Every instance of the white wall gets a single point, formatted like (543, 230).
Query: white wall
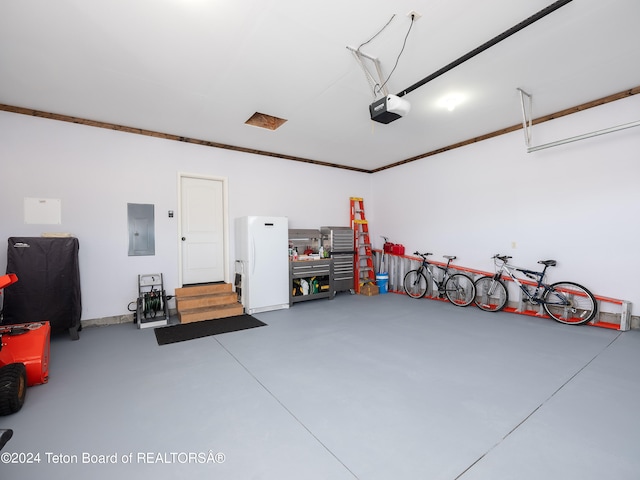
(577, 203)
(96, 172)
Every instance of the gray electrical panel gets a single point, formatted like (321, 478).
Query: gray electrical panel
(142, 240)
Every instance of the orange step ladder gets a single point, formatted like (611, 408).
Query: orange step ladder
(364, 271)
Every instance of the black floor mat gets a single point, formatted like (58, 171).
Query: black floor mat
(205, 328)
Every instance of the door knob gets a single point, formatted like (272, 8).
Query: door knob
(184, 238)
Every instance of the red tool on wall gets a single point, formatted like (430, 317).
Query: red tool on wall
(24, 357)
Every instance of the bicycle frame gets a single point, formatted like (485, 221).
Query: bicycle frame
(538, 297)
(427, 267)
(538, 276)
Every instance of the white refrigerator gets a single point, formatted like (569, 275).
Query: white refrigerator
(262, 262)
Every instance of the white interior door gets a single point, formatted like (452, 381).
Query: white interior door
(202, 230)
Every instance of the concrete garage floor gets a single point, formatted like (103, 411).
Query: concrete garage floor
(373, 388)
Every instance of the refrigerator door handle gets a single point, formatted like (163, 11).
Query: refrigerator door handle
(240, 266)
(252, 258)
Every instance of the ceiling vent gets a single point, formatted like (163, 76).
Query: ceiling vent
(263, 120)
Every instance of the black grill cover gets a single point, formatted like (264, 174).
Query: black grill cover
(48, 286)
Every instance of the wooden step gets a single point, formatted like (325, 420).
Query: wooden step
(210, 313)
(203, 289)
(205, 300)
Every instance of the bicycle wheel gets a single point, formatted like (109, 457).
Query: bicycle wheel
(416, 284)
(491, 294)
(459, 289)
(570, 303)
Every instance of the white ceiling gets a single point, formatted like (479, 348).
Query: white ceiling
(201, 68)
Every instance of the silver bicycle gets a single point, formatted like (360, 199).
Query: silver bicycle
(565, 302)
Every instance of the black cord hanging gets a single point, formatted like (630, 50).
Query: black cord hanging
(404, 44)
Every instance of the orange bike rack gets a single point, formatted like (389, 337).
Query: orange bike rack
(625, 314)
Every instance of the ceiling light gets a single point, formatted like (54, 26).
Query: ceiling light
(451, 101)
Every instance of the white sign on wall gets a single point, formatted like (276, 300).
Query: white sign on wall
(42, 211)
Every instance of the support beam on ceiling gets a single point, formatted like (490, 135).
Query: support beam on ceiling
(527, 122)
(584, 136)
(372, 81)
(527, 115)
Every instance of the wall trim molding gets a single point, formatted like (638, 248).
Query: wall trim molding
(206, 143)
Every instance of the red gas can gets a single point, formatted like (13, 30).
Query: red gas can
(397, 249)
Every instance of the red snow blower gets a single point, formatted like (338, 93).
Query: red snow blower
(24, 357)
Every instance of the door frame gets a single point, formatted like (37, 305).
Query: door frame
(225, 219)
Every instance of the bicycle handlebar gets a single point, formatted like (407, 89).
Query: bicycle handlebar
(504, 258)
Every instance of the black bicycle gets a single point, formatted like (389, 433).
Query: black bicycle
(565, 302)
(457, 287)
